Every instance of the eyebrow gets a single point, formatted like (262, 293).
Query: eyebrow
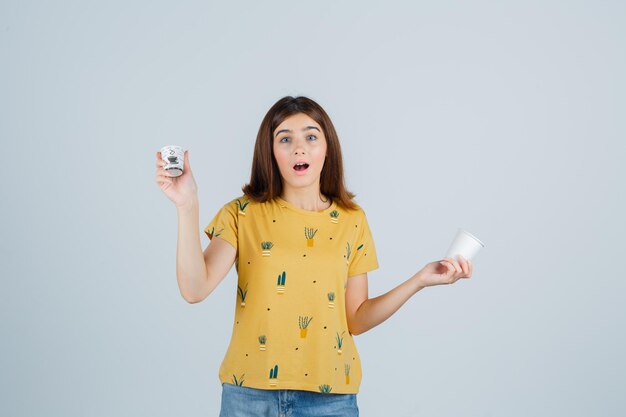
(305, 129)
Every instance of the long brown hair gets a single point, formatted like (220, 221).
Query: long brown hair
(265, 179)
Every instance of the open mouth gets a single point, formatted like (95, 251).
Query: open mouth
(301, 167)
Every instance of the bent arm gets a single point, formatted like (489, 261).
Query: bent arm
(374, 311)
(199, 274)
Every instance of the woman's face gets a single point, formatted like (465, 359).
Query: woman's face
(299, 139)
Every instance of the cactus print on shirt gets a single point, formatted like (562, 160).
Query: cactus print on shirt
(290, 329)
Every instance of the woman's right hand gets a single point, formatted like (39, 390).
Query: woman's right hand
(180, 190)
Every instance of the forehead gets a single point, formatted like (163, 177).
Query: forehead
(297, 122)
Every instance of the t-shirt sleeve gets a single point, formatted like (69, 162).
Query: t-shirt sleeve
(224, 224)
(363, 256)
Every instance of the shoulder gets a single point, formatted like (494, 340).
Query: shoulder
(238, 200)
(239, 204)
(357, 213)
(359, 217)
(353, 216)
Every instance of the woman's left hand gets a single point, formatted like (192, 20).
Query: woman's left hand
(446, 271)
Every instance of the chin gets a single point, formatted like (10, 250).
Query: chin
(302, 182)
(298, 184)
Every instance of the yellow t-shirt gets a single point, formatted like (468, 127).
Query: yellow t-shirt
(290, 329)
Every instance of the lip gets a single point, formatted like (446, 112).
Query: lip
(301, 172)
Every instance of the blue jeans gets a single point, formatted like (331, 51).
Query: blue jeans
(241, 401)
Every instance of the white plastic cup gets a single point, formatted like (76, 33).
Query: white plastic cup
(464, 244)
(174, 158)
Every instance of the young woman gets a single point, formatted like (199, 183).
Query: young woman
(302, 249)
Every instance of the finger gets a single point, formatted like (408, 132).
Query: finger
(467, 269)
(164, 179)
(456, 265)
(160, 161)
(162, 171)
(449, 267)
(464, 265)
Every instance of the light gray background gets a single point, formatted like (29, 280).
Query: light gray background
(504, 119)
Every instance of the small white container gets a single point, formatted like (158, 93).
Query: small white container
(464, 244)
(174, 158)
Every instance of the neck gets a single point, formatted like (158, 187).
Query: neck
(311, 200)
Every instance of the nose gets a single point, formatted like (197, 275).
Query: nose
(299, 149)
